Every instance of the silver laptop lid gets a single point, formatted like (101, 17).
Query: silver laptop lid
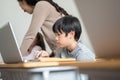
(9, 48)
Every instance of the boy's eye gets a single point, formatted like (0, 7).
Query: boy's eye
(58, 34)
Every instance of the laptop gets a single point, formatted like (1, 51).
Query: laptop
(9, 48)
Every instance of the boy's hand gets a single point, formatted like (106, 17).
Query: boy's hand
(41, 53)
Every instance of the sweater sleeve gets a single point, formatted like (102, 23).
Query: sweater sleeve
(32, 55)
(40, 13)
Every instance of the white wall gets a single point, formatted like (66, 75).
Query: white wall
(10, 11)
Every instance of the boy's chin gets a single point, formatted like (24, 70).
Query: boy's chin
(61, 46)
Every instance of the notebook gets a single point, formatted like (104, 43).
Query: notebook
(10, 50)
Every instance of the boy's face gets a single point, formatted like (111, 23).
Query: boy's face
(63, 40)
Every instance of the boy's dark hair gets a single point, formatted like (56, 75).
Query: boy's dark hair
(67, 24)
(57, 7)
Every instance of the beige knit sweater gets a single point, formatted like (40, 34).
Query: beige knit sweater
(44, 16)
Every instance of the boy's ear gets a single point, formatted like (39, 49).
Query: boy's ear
(72, 33)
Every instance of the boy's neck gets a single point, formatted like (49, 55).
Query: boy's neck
(72, 46)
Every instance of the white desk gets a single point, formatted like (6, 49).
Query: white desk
(38, 71)
(98, 70)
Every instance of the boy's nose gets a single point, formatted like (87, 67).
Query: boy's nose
(56, 38)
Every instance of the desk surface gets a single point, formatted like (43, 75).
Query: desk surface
(105, 64)
(99, 64)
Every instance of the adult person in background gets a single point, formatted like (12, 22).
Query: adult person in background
(45, 13)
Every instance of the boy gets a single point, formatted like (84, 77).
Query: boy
(67, 31)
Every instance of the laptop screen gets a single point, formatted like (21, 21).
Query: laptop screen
(9, 48)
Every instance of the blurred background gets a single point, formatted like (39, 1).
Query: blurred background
(100, 22)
